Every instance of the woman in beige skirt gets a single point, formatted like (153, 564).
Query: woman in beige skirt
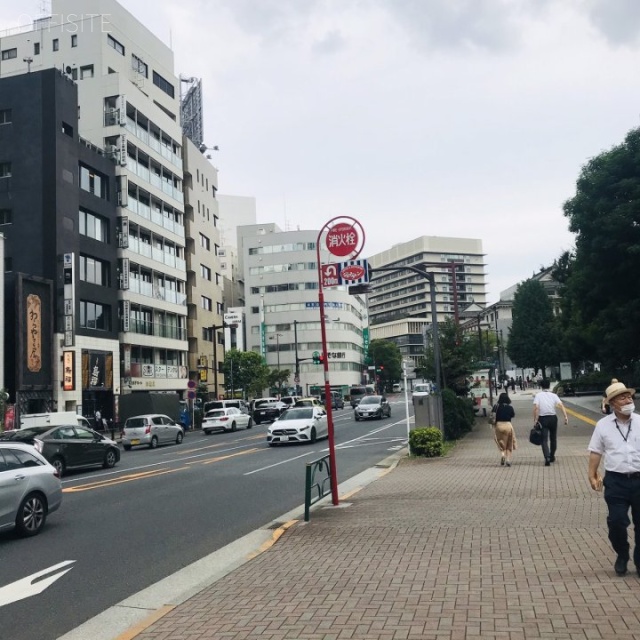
(504, 434)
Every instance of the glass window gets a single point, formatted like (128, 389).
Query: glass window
(93, 226)
(74, 40)
(112, 42)
(95, 316)
(27, 459)
(93, 182)
(5, 116)
(84, 434)
(6, 216)
(5, 169)
(163, 84)
(86, 72)
(36, 48)
(11, 460)
(139, 65)
(9, 54)
(56, 44)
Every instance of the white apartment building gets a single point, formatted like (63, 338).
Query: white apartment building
(283, 312)
(129, 102)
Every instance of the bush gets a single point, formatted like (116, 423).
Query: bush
(426, 442)
(458, 415)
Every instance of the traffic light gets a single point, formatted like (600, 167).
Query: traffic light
(318, 358)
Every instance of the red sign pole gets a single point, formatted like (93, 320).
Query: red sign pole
(343, 239)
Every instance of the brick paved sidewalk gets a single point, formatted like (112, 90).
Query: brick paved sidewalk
(451, 548)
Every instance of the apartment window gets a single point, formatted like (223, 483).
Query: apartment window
(204, 241)
(9, 54)
(93, 226)
(8, 264)
(94, 271)
(205, 272)
(56, 44)
(67, 129)
(74, 40)
(93, 182)
(86, 72)
(112, 42)
(36, 48)
(6, 216)
(5, 116)
(95, 316)
(206, 303)
(5, 169)
(163, 84)
(139, 65)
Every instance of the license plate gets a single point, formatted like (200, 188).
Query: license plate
(135, 442)
(263, 413)
(284, 438)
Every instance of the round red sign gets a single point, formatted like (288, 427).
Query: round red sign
(342, 239)
(353, 272)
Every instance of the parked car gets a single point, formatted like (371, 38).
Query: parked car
(228, 419)
(337, 401)
(30, 488)
(372, 407)
(267, 409)
(224, 404)
(70, 446)
(311, 401)
(151, 430)
(298, 424)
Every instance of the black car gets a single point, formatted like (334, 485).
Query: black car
(69, 446)
(267, 409)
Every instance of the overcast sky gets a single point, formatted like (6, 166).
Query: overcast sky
(468, 118)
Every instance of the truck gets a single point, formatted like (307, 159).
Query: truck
(54, 419)
(143, 403)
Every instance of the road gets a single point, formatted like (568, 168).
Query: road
(157, 511)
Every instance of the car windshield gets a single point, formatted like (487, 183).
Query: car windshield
(215, 413)
(370, 400)
(302, 413)
(134, 423)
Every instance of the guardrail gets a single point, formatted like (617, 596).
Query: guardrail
(322, 486)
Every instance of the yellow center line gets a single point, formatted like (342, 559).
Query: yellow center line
(220, 444)
(584, 418)
(122, 479)
(219, 458)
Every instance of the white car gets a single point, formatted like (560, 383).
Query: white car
(421, 390)
(228, 419)
(298, 424)
(150, 430)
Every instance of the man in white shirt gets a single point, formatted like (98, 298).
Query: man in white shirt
(545, 404)
(617, 437)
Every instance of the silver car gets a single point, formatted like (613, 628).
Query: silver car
(30, 488)
(372, 407)
(228, 419)
(151, 430)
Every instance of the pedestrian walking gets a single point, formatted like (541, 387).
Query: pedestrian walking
(545, 404)
(604, 405)
(617, 437)
(503, 432)
(512, 384)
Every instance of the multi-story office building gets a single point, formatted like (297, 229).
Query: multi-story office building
(204, 279)
(58, 214)
(283, 311)
(400, 302)
(129, 106)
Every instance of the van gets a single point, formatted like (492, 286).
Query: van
(421, 389)
(225, 404)
(337, 401)
(397, 388)
(53, 419)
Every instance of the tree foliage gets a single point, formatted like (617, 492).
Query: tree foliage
(388, 360)
(245, 370)
(532, 336)
(601, 296)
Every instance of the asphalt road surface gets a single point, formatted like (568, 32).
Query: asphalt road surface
(120, 530)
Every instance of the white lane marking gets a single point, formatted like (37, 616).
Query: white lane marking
(31, 586)
(277, 464)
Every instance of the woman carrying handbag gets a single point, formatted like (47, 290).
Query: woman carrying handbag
(503, 432)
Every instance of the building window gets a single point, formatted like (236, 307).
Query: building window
(139, 65)
(5, 169)
(205, 243)
(206, 303)
(112, 42)
(95, 316)
(56, 44)
(5, 116)
(9, 54)
(67, 129)
(93, 182)
(205, 272)
(94, 271)
(93, 226)
(8, 264)
(163, 84)
(6, 216)
(86, 72)
(36, 48)
(74, 40)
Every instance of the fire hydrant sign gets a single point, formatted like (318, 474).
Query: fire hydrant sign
(342, 239)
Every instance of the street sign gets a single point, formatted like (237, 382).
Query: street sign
(191, 395)
(342, 239)
(351, 272)
(232, 318)
(191, 384)
(330, 275)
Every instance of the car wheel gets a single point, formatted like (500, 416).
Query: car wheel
(313, 435)
(234, 427)
(110, 459)
(127, 447)
(59, 466)
(356, 417)
(179, 437)
(207, 432)
(250, 423)
(32, 515)
(154, 443)
(257, 421)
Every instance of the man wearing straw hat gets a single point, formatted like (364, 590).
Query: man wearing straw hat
(617, 437)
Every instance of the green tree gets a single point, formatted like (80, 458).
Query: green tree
(601, 290)
(532, 336)
(278, 379)
(388, 361)
(250, 373)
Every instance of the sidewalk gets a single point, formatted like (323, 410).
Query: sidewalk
(450, 548)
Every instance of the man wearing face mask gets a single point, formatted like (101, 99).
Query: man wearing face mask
(617, 437)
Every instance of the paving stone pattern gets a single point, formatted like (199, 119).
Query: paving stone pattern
(446, 549)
